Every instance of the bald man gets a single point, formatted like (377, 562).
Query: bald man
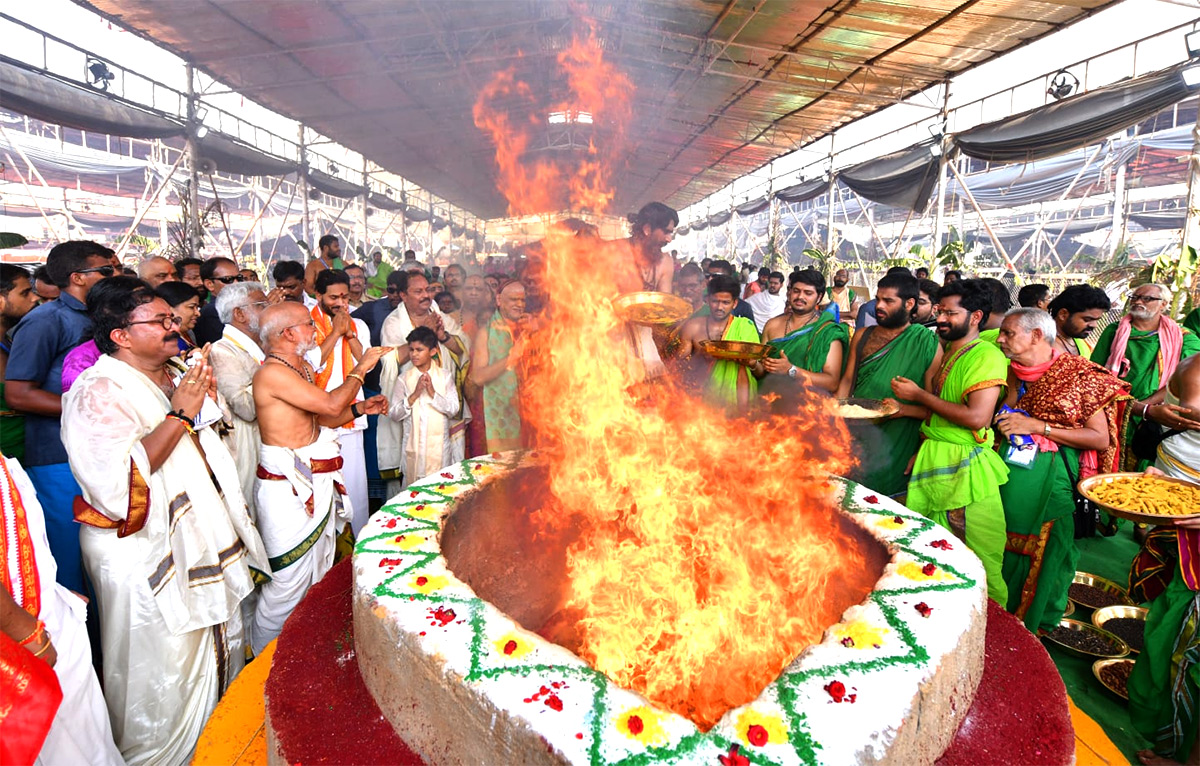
(155, 270)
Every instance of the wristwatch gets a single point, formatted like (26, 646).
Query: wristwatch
(792, 372)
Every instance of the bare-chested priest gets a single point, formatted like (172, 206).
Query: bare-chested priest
(299, 492)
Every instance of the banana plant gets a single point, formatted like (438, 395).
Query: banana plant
(1176, 273)
(825, 262)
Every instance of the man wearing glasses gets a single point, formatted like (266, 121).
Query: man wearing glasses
(217, 273)
(1144, 349)
(33, 386)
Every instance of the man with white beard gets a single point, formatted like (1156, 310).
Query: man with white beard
(300, 494)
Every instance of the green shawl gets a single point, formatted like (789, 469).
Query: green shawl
(501, 417)
(1142, 353)
(957, 466)
(807, 347)
(885, 449)
(721, 388)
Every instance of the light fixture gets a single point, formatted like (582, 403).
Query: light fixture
(936, 149)
(1062, 84)
(333, 168)
(1191, 75)
(1193, 43)
(937, 131)
(98, 74)
(200, 130)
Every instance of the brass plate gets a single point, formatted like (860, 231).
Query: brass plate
(1083, 627)
(1099, 665)
(652, 308)
(1101, 616)
(735, 350)
(1086, 578)
(882, 411)
(1087, 489)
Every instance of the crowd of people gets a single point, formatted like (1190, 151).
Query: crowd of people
(188, 448)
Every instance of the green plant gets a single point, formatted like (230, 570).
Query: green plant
(822, 261)
(11, 239)
(1176, 273)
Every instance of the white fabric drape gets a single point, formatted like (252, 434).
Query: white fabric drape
(169, 591)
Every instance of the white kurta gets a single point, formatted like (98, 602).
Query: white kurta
(766, 306)
(80, 732)
(234, 359)
(350, 437)
(426, 443)
(395, 331)
(169, 591)
(299, 538)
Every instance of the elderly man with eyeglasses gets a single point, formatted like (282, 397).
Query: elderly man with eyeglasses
(1144, 349)
(166, 538)
(33, 387)
(234, 359)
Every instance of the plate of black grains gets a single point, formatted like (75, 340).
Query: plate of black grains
(1086, 640)
(1093, 592)
(1127, 623)
(1114, 675)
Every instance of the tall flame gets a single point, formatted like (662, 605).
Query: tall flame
(708, 556)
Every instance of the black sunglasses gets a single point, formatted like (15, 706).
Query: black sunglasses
(104, 271)
(229, 280)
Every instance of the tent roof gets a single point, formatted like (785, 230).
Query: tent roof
(722, 88)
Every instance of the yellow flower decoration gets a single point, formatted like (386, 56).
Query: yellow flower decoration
(513, 646)
(422, 511)
(860, 634)
(922, 572)
(890, 522)
(427, 583)
(643, 724)
(758, 729)
(409, 541)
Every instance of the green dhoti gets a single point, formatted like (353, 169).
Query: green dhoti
(1040, 556)
(884, 449)
(721, 387)
(1164, 688)
(957, 476)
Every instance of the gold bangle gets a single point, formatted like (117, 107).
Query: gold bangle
(45, 648)
(39, 630)
(357, 377)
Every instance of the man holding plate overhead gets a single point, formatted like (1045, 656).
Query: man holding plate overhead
(646, 269)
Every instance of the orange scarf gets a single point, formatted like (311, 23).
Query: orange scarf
(26, 589)
(324, 326)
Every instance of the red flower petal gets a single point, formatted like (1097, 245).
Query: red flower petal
(872, 499)
(757, 735)
(510, 647)
(943, 544)
(635, 725)
(924, 609)
(928, 570)
(898, 519)
(447, 475)
(422, 580)
(553, 702)
(836, 689)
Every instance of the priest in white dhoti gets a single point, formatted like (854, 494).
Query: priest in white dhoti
(423, 401)
(417, 309)
(234, 359)
(341, 340)
(166, 538)
(300, 491)
(51, 619)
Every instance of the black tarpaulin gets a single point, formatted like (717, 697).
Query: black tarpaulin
(753, 206)
(416, 214)
(805, 190)
(901, 179)
(333, 186)
(720, 219)
(439, 223)
(1074, 122)
(384, 202)
(234, 156)
(45, 97)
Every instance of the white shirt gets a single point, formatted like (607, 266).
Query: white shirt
(766, 306)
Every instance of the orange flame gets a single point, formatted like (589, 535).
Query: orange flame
(710, 553)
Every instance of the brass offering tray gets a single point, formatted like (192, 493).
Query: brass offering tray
(735, 350)
(1104, 584)
(1122, 648)
(652, 308)
(1099, 665)
(1102, 616)
(1176, 508)
(878, 411)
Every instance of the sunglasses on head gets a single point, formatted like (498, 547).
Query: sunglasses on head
(229, 280)
(104, 271)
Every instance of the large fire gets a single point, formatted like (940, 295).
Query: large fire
(707, 557)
